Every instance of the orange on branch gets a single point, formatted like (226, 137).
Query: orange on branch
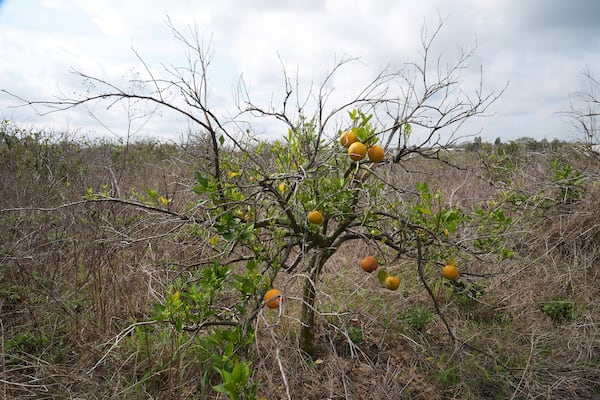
(347, 138)
(315, 217)
(450, 272)
(272, 298)
(376, 153)
(392, 282)
(357, 151)
(369, 264)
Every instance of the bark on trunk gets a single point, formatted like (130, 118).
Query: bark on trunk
(307, 314)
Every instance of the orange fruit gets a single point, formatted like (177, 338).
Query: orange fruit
(376, 153)
(369, 264)
(357, 151)
(315, 217)
(347, 138)
(450, 272)
(392, 282)
(272, 298)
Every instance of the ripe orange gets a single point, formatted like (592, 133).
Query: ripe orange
(376, 153)
(357, 151)
(369, 264)
(392, 282)
(450, 272)
(272, 298)
(315, 217)
(347, 138)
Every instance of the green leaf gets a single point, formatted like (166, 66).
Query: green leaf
(179, 325)
(221, 139)
(381, 275)
(159, 308)
(153, 194)
(228, 350)
(237, 374)
(423, 210)
(221, 389)
(203, 183)
(507, 253)
(422, 187)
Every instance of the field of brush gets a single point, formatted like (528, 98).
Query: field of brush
(79, 277)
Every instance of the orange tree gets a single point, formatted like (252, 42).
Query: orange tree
(253, 197)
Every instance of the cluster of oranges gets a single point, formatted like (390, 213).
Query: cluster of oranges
(358, 150)
(370, 264)
(272, 298)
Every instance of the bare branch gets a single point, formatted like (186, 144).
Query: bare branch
(585, 109)
(130, 203)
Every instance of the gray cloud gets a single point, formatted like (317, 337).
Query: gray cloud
(579, 17)
(540, 46)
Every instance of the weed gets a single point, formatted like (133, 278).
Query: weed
(24, 343)
(570, 181)
(558, 310)
(417, 318)
(469, 292)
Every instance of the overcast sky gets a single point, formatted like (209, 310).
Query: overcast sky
(538, 47)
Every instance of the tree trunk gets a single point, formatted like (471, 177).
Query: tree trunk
(307, 314)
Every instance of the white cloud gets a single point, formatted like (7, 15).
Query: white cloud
(121, 19)
(55, 4)
(526, 43)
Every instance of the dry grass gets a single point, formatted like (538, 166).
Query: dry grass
(75, 281)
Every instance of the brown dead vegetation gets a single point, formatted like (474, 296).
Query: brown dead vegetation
(78, 277)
